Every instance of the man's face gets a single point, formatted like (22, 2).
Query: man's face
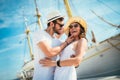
(58, 28)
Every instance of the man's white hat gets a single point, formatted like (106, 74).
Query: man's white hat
(53, 16)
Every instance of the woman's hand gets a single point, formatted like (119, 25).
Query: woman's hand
(47, 62)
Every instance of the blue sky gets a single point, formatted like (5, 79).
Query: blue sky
(13, 45)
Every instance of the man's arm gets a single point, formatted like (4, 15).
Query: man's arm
(74, 61)
(50, 52)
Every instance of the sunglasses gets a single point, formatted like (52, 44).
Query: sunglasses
(61, 25)
(75, 26)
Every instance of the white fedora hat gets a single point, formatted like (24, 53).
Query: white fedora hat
(53, 16)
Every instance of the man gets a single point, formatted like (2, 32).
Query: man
(42, 43)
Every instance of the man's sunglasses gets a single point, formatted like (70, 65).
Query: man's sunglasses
(60, 19)
(61, 25)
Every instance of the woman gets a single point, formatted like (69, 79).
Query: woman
(65, 69)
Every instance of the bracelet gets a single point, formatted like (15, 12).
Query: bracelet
(58, 63)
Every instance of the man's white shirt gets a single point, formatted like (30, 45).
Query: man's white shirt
(40, 72)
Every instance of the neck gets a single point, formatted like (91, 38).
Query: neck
(58, 36)
(76, 38)
(50, 31)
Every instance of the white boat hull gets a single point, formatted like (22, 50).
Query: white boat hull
(101, 60)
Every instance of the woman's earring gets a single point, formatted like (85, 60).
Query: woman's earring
(82, 35)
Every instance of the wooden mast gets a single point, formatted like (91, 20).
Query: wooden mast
(28, 30)
(38, 15)
(28, 38)
(68, 9)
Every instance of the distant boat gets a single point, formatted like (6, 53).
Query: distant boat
(101, 59)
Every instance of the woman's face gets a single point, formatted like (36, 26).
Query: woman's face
(74, 29)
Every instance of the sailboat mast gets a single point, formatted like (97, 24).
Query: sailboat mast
(68, 9)
(28, 38)
(38, 15)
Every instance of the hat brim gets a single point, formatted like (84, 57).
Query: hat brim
(55, 18)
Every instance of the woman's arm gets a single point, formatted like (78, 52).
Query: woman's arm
(74, 61)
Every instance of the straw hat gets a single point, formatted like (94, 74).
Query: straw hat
(75, 19)
(53, 16)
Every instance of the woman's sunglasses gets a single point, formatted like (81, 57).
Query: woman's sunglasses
(75, 26)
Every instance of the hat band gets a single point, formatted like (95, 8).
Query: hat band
(53, 18)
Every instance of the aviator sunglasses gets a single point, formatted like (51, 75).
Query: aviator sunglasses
(60, 19)
(61, 25)
(74, 25)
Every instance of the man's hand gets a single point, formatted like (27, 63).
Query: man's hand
(72, 56)
(70, 39)
(47, 62)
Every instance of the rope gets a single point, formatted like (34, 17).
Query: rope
(104, 19)
(109, 7)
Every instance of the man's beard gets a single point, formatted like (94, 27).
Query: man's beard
(57, 32)
(54, 29)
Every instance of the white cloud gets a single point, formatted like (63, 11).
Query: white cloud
(15, 17)
(19, 37)
(11, 42)
(9, 48)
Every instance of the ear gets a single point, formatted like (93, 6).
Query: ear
(52, 24)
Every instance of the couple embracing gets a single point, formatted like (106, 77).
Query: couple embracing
(56, 60)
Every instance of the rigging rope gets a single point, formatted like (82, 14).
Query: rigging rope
(109, 7)
(104, 19)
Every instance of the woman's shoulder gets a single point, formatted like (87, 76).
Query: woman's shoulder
(82, 40)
